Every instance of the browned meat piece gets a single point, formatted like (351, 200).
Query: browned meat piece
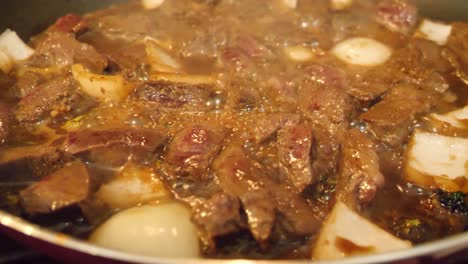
(91, 139)
(261, 197)
(458, 42)
(266, 126)
(217, 216)
(324, 104)
(27, 83)
(397, 15)
(39, 152)
(67, 186)
(294, 150)
(192, 149)
(458, 45)
(174, 95)
(391, 119)
(207, 42)
(359, 175)
(56, 98)
(253, 48)
(70, 23)
(326, 75)
(419, 63)
(58, 49)
(236, 176)
(5, 123)
(235, 59)
(330, 109)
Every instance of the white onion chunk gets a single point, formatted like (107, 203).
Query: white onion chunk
(346, 233)
(362, 51)
(434, 31)
(163, 230)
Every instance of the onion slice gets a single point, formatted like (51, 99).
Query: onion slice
(151, 4)
(290, 3)
(299, 54)
(362, 51)
(6, 62)
(435, 31)
(457, 118)
(340, 4)
(436, 161)
(101, 87)
(346, 233)
(12, 50)
(159, 59)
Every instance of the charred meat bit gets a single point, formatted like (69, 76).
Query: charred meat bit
(67, 186)
(91, 139)
(294, 150)
(359, 175)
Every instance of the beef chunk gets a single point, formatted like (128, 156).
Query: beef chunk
(359, 175)
(27, 83)
(268, 125)
(38, 158)
(397, 15)
(326, 75)
(173, 95)
(458, 45)
(330, 109)
(253, 48)
(56, 98)
(233, 58)
(193, 148)
(324, 104)
(70, 23)
(59, 49)
(206, 43)
(234, 172)
(294, 150)
(391, 119)
(261, 197)
(67, 186)
(217, 216)
(420, 63)
(91, 139)
(5, 123)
